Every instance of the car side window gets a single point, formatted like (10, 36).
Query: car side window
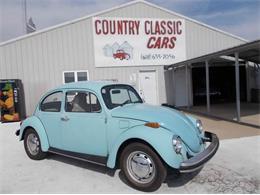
(52, 103)
(95, 105)
(81, 101)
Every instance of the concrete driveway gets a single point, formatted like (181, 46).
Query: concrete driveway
(234, 169)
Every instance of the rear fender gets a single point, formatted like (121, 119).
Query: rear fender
(160, 139)
(35, 123)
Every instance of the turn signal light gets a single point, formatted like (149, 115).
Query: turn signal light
(152, 124)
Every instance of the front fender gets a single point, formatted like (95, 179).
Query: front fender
(35, 123)
(160, 139)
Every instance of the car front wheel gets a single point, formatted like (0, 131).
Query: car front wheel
(32, 145)
(142, 167)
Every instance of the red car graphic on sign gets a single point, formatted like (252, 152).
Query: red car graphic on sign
(121, 54)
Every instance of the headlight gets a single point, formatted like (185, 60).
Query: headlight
(177, 144)
(199, 125)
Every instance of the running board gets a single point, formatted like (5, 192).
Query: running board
(100, 160)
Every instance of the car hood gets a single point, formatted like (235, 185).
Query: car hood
(169, 118)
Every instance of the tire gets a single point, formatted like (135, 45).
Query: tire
(32, 145)
(142, 167)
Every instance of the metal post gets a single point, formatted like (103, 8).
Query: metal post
(207, 86)
(174, 87)
(187, 85)
(237, 86)
(247, 82)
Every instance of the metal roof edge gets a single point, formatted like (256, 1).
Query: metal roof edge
(226, 51)
(112, 9)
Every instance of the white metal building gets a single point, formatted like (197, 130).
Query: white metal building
(130, 43)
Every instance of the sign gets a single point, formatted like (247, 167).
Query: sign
(138, 42)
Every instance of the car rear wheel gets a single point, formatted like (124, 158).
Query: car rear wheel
(142, 167)
(32, 145)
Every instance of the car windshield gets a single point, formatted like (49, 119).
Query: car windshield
(119, 95)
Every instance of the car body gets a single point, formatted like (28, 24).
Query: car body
(113, 122)
(121, 54)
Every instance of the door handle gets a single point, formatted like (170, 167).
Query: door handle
(65, 118)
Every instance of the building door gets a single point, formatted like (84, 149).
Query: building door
(148, 87)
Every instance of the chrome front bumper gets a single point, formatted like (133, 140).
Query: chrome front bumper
(199, 160)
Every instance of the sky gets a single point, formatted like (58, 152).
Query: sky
(238, 17)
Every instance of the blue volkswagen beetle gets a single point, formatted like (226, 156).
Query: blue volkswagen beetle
(109, 124)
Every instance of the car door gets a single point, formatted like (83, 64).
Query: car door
(50, 116)
(84, 124)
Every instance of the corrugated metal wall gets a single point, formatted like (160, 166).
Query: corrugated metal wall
(40, 59)
(201, 40)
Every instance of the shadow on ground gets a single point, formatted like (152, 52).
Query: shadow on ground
(177, 179)
(82, 164)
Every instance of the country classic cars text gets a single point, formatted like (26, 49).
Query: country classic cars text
(161, 34)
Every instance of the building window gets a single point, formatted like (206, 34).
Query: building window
(69, 77)
(75, 76)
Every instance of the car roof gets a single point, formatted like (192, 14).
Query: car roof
(92, 85)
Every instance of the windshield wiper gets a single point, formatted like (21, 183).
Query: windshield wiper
(126, 102)
(130, 102)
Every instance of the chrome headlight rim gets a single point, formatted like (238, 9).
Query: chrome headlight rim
(177, 144)
(199, 125)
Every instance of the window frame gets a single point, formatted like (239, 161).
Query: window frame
(40, 106)
(84, 91)
(75, 72)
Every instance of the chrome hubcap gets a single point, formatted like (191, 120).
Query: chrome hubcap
(33, 144)
(140, 167)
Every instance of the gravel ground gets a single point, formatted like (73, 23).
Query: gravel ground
(234, 169)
